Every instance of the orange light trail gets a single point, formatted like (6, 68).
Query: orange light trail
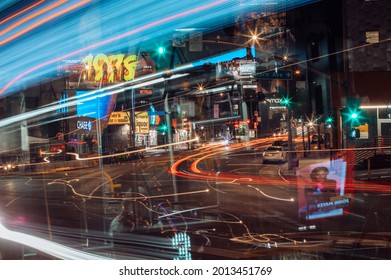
(40, 22)
(137, 30)
(32, 16)
(256, 179)
(21, 12)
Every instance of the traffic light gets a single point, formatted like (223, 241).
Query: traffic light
(160, 50)
(285, 101)
(163, 128)
(329, 121)
(354, 114)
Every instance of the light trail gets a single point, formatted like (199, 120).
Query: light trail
(89, 31)
(46, 246)
(21, 11)
(194, 172)
(141, 197)
(110, 40)
(271, 197)
(26, 19)
(77, 156)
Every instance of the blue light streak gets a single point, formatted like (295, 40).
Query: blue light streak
(108, 26)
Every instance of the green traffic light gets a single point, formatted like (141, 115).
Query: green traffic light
(161, 50)
(285, 101)
(329, 120)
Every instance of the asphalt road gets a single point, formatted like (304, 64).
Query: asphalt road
(229, 203)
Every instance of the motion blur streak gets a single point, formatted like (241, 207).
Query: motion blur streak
(77, 157)
(40, 22)
(85, 97)
(21, 12)
(27, 18)
(145, 27)
(97, 25)
(48, 247)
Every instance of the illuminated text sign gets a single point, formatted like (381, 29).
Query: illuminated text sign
(109, 68)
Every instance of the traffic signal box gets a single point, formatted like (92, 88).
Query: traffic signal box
(354, 133)
(354, 117)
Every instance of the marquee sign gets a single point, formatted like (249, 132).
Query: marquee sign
(108, 68)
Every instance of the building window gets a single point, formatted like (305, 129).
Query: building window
(372, 37)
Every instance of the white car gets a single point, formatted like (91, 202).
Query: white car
(275, 154)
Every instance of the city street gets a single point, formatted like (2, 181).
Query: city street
(231, 202)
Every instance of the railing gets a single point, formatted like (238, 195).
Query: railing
(377, 146)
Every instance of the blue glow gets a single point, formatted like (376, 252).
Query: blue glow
(76, 28)
(240, 53)
(96, 107)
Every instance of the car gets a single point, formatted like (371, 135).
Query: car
(275, 154)
(8, 167)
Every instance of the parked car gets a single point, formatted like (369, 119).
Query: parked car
(280, 154)
(275, 154)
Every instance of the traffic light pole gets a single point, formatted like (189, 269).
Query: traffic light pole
(290, 146)
(289, 126)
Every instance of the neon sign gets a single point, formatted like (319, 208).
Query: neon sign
(109, 69)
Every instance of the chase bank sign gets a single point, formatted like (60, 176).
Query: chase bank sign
(85, 125)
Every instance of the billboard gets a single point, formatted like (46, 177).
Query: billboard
(93, 105)
(321, 190)
(141, 122)
(119, 118)
(105, 68)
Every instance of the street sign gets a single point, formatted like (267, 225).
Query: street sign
(273, 75)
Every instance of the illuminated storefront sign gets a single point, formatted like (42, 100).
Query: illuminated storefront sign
(119, 118)
(85, 125)
(274, 100)
(141, 121)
